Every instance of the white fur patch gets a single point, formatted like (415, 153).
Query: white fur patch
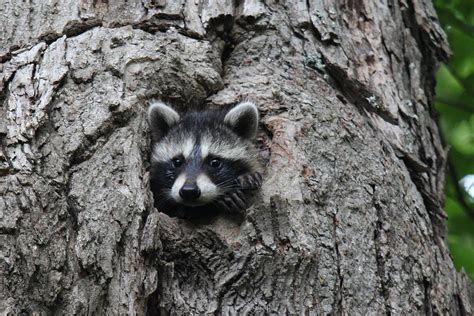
(221, 148)
(188, 148)
(209, 190)
(177, 185)
(236, 112)
(246, 111)
(235, 153)
(169, 115)
(165, 151)
(205, 144)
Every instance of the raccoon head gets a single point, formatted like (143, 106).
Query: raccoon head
(197, 157)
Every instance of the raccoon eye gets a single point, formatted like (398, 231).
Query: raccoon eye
(177, 162)
(215, 163)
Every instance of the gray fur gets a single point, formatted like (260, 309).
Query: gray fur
(161, 117)
(197, 137)
(244, 119)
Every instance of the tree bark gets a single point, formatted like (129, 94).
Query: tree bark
(351, 217)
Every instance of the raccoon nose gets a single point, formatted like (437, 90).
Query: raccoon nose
(189, 192)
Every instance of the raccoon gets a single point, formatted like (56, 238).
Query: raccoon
(204, 162)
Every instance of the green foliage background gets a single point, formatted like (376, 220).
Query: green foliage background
(455, 104)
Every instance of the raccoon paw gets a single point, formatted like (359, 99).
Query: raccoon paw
(250, 181)
(234, 202)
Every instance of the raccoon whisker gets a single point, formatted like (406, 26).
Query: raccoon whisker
(229, 187)
(165, 200)
(214, 203)
(164, 195)
(165, 191)
(226, 189)
(225, 182)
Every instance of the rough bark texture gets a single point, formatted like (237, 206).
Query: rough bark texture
(350, 220)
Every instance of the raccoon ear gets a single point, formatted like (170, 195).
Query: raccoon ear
(243, 119)
(161, 118)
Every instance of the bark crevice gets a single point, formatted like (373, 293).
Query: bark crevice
(379, 253)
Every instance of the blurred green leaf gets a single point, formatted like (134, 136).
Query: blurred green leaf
(448, 86)
(462, 10)
(461, 237)
(455, 103)
(462, 137)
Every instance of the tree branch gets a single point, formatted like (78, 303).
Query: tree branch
(448, 17)
(455, 104)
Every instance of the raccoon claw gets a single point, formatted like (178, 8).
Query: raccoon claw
(233, 202)
(250, 181)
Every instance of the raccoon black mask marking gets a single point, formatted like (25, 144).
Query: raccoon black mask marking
(203, 162)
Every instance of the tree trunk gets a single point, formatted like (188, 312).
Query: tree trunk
(351, 217)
